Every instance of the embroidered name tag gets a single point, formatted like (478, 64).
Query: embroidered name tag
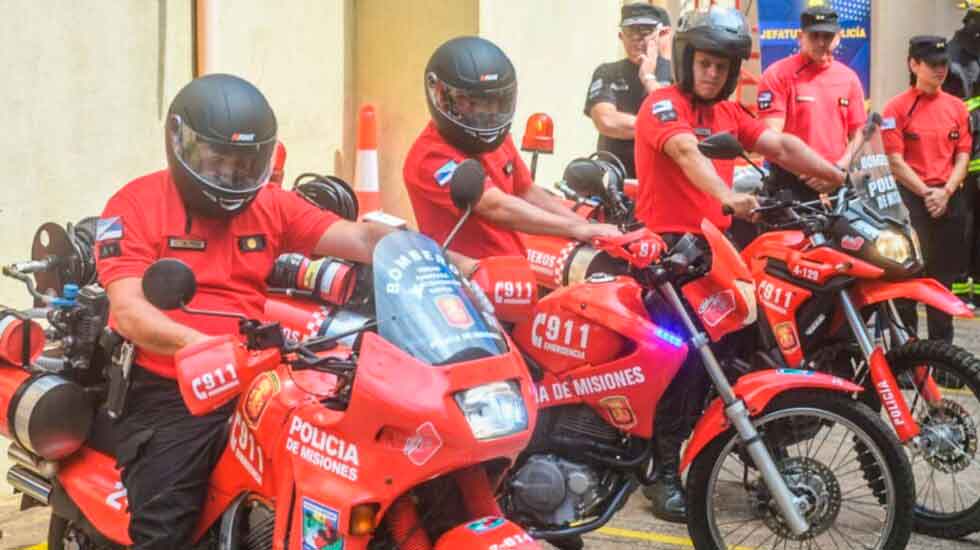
(805, 99)
(178, 243)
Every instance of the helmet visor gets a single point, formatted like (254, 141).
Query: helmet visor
(239, 166)
(479, 110)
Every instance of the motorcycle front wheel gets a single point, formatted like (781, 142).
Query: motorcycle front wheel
(825, 445)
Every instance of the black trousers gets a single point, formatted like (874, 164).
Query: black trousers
(166, 456)
(945, 257)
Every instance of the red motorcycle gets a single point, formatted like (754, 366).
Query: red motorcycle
(396, 442)
(827, 276)
(603, 352)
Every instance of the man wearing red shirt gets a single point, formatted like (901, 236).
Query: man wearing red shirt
(815, 98)
(471, 91)
(927, 138)
(679, 187)
(213, 210)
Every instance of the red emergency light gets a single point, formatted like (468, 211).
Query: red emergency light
(539, 134)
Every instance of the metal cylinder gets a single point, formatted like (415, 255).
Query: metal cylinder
(45, 468)
(30, 484)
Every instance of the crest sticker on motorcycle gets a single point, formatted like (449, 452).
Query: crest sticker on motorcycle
(851, 242)
(620, 411)
(421, 447)
(264, 387)
(484, 525)
(321, 527)
(716, 307)
(786, 336)
(453, 310)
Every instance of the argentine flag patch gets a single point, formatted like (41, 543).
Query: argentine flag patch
(109, 229)
(445, 173)
(888, 123)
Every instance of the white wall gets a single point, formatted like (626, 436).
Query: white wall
(554, 45)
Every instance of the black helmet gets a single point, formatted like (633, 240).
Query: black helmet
(471, 90)
(721, 31)
(221, 134)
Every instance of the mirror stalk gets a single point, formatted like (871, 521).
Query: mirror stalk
(459, 224)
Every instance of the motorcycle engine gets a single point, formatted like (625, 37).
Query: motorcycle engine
(553, 490)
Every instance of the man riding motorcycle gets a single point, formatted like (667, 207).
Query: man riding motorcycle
(678, 187)
(212, 209)
(471, 92)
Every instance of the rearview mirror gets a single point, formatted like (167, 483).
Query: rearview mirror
(466, 184)
(721, 146)
(585, 177)
(169, 284)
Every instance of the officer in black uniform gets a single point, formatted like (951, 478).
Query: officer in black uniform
(617, 89)
(964, 82)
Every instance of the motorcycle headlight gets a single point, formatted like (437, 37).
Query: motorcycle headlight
(747, 290)
(893, 246)
(493, 410)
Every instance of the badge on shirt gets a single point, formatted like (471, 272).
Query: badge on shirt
(702, 132)
(805, 99)
(595, 88)
(843, 102)
(445, 173)
(888, 123)
(110, 250)
(109, 229)
(664, 111)
(911, 136)
(764, 100)
(509, 168)
(181, 243)
(954, 135)
(619, 86)
(251, 243)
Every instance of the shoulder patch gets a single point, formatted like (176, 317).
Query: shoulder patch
(109, 250)
(664, 110)
(595, 87)
(764, 100)
(445, 173)
(888, 123)
(251, 243)
(109, 229)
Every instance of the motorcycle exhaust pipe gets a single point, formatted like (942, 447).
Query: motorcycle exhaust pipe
(45, 468)
(30, 484)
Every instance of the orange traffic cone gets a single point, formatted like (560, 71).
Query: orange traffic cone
(366, 170)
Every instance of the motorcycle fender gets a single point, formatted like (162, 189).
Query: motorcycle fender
(927, 291)
(91, 480)
(757, 390)
(489, 533)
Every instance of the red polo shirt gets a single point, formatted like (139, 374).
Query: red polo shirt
(146, 221)
(667, 201)
(821, 105)
(428, 168)
(928, 131)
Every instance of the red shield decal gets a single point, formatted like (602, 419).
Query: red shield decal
(716, 307)
(263, 389)
(421, 447)
(786, 336)
(619, 411)
(852, 242)
(453, 310)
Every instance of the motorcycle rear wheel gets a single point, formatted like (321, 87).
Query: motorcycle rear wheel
(827, 471)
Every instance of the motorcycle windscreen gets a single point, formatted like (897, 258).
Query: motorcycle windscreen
(872, 179)
(424, 309)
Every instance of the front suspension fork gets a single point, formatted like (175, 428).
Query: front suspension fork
(789, 505)
(881, 374)
(924, 381)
